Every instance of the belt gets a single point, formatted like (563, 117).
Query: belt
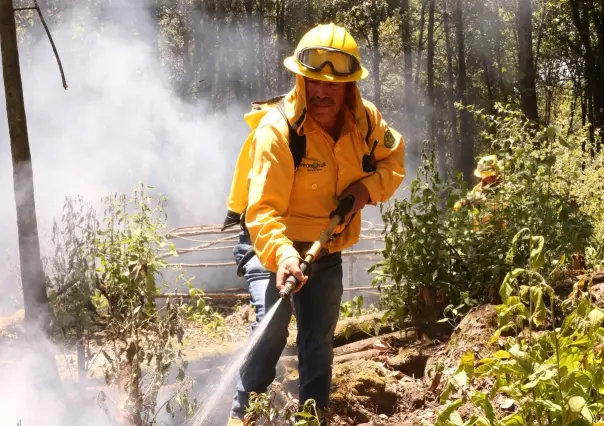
(303, 246)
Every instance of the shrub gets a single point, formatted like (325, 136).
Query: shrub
(552, 377)
(439, 258)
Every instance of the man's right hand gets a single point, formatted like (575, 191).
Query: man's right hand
(290, 266)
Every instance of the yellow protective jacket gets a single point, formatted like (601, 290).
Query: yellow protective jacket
(286, 205)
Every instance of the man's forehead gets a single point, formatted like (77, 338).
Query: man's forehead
(315, 80)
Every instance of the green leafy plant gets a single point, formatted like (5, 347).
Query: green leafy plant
(552, 371)
(129, 264)
(262, 410)
(199, 310)
(70, 275)
(440, 258)
(352, 308)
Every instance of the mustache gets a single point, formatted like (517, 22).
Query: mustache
(322, 101)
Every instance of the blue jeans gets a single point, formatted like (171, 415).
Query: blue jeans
(317, 307)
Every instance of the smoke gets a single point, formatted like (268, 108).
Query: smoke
(32, 395)
(119, 122)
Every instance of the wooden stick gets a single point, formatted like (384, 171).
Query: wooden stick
(594, 279)
(371, 353)
(365, 344)
(240, 292)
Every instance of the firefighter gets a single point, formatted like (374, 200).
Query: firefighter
(287, 205)
(489, 170)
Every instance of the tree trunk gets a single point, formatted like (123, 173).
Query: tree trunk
(528, 95)
(573, 105)
(220, 61)
(594, 66)
(450, 81)
(204, 56)
(188, 71)
(486, 61)
(251, 58)
(262, 83)
(375, 38)
(544, 13)
(441, 139)
(430, 74)
(501, 80)
(466, 156)
(420, 44)
(408, 57)
(35, 298)
(282, 77)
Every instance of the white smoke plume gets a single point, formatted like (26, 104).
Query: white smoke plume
(119, 122)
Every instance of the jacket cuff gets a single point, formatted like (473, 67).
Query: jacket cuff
(374, 187)
(284, 252)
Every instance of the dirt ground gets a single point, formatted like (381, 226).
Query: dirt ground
(393, 385)
(394, 380)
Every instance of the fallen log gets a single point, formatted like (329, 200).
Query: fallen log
(365, 344)
(593, 279)
(368, 354)
(355, 329)
(210, 295)
(236, 293)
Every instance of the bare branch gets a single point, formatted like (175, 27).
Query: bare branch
(52, 43)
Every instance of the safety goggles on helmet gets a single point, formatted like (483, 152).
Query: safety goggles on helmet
(316, 58)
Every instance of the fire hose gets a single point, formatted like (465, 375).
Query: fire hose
(337, 217)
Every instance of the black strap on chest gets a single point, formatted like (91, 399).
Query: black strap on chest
(297, 143)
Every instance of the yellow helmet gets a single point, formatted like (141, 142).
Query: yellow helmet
(488, 166)
(328, 53)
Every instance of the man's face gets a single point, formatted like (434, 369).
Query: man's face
(325, 100)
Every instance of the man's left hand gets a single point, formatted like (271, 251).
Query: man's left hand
(360, 194)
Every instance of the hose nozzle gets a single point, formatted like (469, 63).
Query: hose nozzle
(290, 285)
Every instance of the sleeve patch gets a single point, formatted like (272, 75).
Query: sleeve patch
(389, 140)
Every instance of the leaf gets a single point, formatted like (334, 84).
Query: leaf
(539, 311)
(447, 391)
(465, 371)
(512, 420)
(347, 331)
(482, 401)
(486, 365)
(512, 252)
(507, 403)
(501, 355)
(543, 374)
(537, 255)
(510, 367)
(595, 318)
(497, 334)
(455, 419)
(507, 289)
(445, 415)
(576, 404)
(549, 406)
